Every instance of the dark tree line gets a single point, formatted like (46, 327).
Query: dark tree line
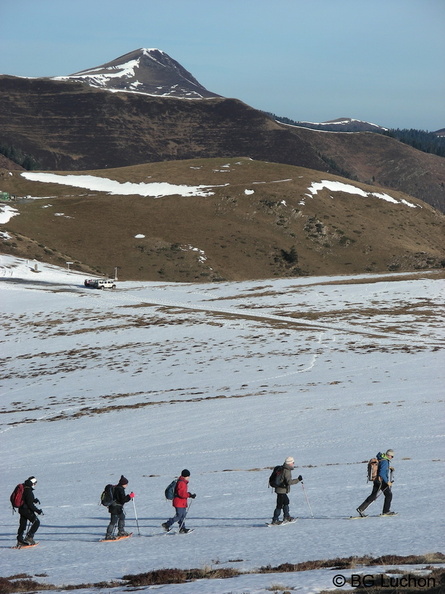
(428, 142)
(14, 154)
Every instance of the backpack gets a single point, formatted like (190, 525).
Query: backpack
(276, 479)
(170, 490)
(107, 497)
(16, 497)
(373, 467)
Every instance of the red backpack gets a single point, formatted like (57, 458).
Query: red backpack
(16, 498)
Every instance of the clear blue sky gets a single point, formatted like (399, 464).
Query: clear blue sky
(375, 60)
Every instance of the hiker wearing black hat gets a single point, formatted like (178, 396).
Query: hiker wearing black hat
(28, 511)
(116, 510)
(180, 503)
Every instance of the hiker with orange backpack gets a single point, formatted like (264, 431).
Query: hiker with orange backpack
(382, 482)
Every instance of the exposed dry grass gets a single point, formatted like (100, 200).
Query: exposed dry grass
(242, 236)
(24, 583)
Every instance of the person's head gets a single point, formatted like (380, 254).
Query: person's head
(32, 481)
(289, 461)
(123, 482)
(390, 454)
(186, 474)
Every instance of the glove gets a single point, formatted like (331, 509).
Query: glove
(300, 478)
(39, 511)
(192, 495)
(36, 501)
(131, 495)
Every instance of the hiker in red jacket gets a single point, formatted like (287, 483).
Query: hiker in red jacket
(180, 503)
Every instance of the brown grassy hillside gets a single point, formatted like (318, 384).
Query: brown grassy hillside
(67, 125)
(259, 223)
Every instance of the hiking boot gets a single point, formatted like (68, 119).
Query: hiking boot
(29, 540)
(21, 542)
(184, 530)
(360, 513)
(166, 526)
(288, 519)
(390, 513)
(123, 533)
(276, 522)
(109, 537)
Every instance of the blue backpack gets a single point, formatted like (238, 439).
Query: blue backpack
(170, 490)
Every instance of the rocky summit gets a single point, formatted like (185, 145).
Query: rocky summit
(149, 71)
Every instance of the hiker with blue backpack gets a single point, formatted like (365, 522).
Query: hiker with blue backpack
(281, 480)
(382, 482)
(180, 499)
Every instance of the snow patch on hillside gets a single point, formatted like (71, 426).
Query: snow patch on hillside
(103, 184)
(6, 213)
(335, 186)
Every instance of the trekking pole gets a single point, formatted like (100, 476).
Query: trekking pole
(307, 500)
(136, 516)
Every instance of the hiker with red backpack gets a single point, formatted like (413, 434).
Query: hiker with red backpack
(381, 482)
(28, 510)
(282, 484)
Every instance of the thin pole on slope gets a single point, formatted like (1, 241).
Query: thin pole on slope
(136, 516)
(307, 500)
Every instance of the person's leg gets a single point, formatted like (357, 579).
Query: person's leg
(175, 518)
(114, 518)
(375, 489)
(286, 503)
(22, 527)
(33, 529)
(121, 524)
(278, 508)
(386, 489)
(182, 512)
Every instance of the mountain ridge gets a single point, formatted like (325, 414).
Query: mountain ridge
(82, 127)
(148, 71)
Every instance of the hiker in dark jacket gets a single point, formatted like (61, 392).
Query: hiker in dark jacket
(180, 503)
(282, 492)
(28, 511)
(116, 510)
(381, 483)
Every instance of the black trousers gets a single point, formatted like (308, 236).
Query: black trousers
(387, 493)
(117, 516)
(282, 504)
(24, 519)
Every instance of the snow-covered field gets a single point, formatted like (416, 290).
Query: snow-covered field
(225, 380)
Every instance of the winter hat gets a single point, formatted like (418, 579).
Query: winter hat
(185, 472)
(32, 480)
(289, 460)
(390, 453)
(123, 481)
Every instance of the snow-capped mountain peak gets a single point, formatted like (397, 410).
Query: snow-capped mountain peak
(148, 71)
